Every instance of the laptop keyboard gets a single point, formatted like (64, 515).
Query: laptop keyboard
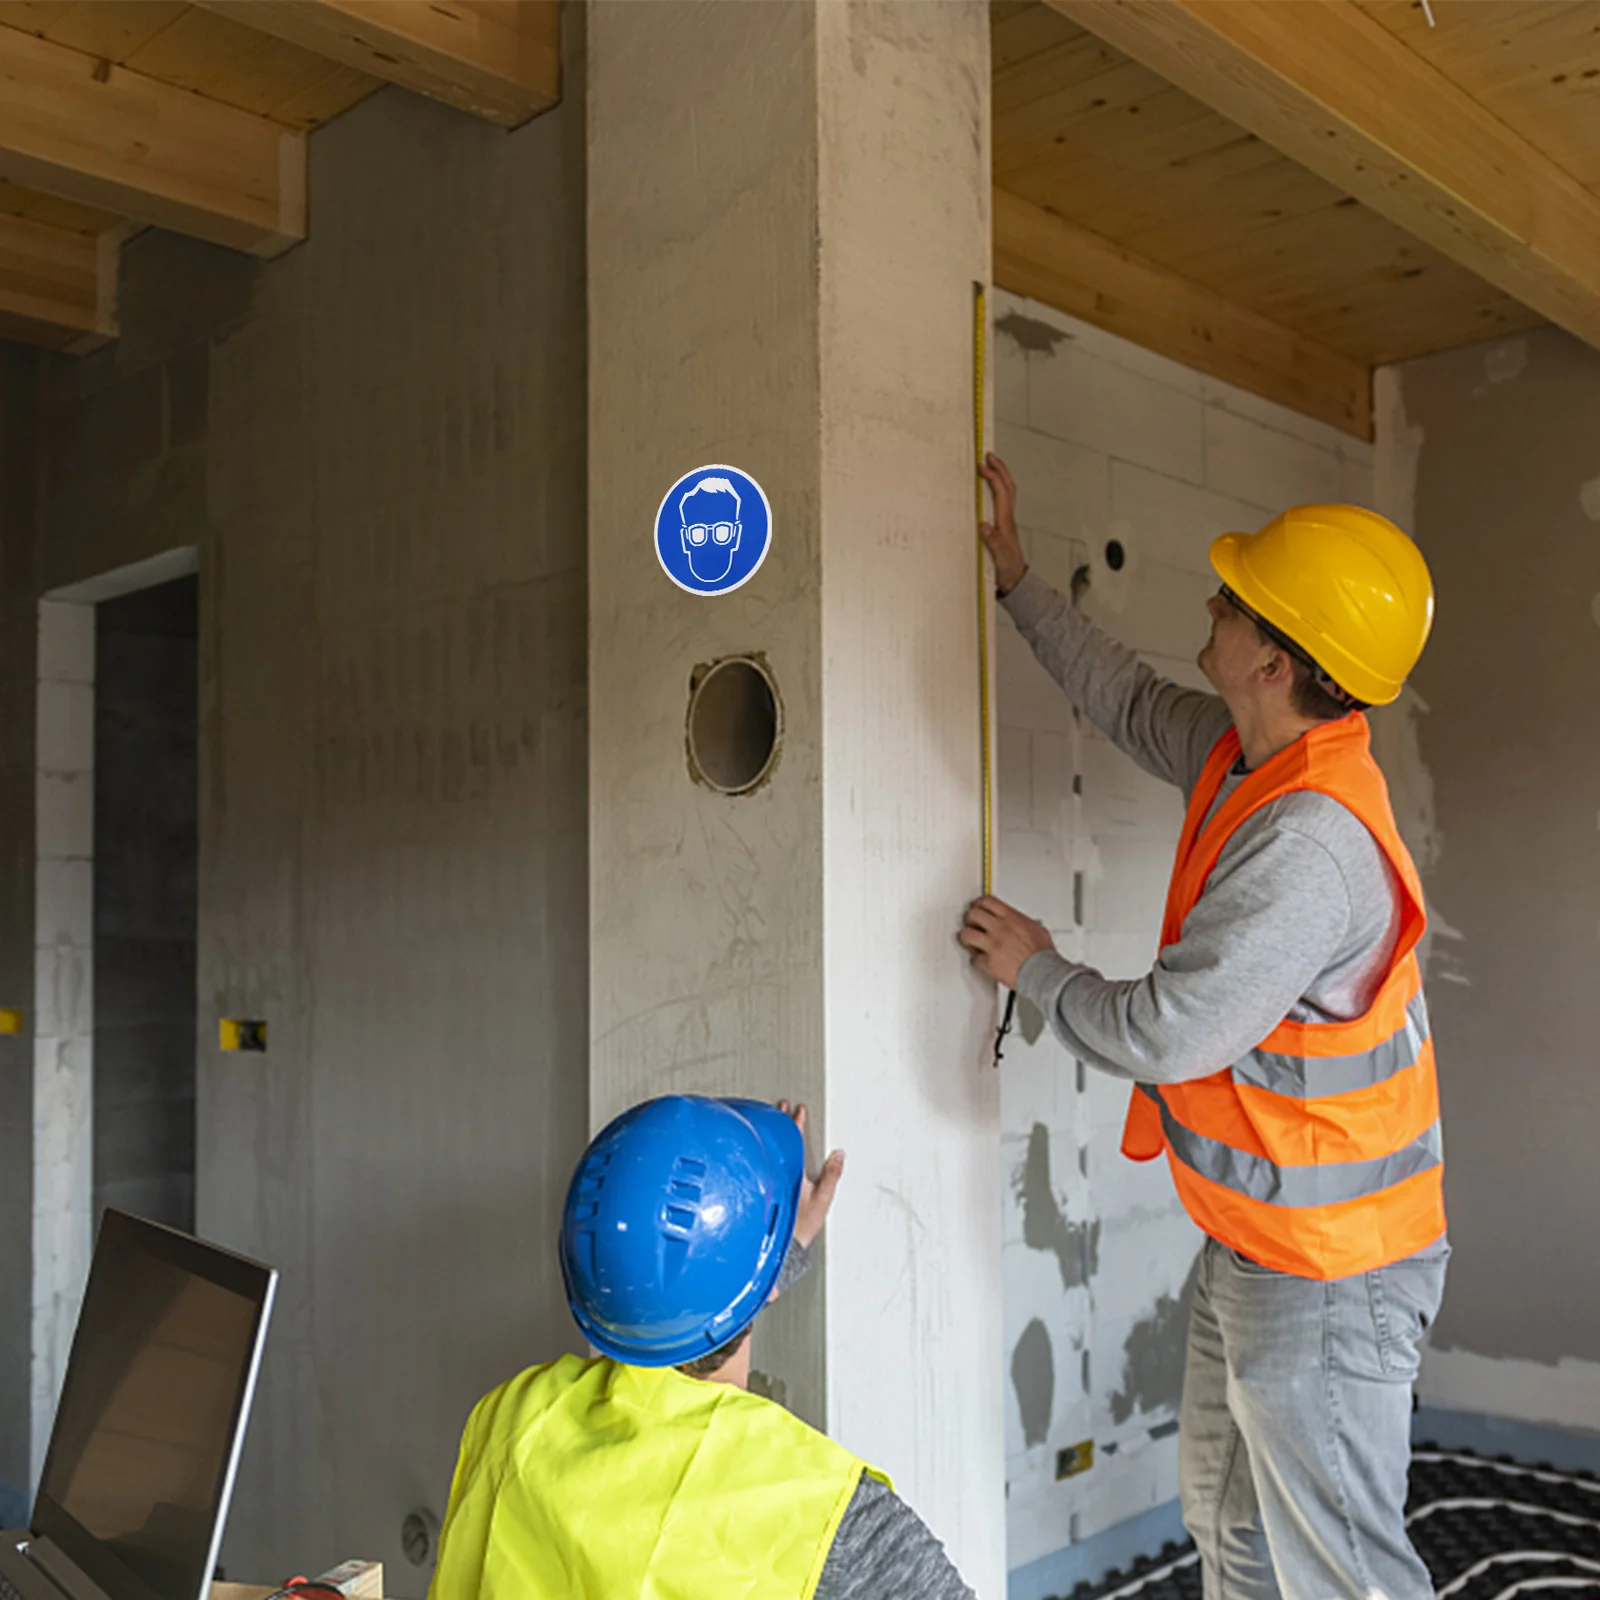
(9, 1590)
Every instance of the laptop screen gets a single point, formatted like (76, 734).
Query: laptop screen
(152, 1412)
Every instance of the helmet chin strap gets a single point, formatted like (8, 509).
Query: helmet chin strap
(1325, 683)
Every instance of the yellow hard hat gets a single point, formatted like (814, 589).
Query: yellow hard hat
(1345, 584)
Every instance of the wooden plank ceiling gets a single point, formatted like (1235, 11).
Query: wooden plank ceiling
(1284, 195)
(117, 114)
(1141, 205)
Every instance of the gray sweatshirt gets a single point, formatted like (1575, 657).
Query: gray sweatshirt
(1298, 920)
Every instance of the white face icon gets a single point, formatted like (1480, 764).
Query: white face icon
(711, 528)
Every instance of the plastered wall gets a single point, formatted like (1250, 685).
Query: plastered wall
(1494, 452)
(376, 445)
(1128, 465)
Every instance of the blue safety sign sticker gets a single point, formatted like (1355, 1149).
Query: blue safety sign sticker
(713, 530)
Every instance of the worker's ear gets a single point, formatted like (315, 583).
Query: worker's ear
(1277, 667)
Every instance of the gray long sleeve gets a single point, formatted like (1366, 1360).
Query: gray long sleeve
(1167, 729)
(885, 1551)
(796, 1264)
(1298, 918)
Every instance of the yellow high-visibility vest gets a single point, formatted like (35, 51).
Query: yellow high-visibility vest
(591, 1480)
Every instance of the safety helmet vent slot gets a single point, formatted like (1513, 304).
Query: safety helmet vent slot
(674, 1257)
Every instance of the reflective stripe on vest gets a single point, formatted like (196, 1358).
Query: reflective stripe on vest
(590, 1480)
(1310, 1077)
(1319, 1151)
(1321, 1184)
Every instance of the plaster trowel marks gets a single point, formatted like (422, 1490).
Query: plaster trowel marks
(1076, 1245)
(1153, 1357)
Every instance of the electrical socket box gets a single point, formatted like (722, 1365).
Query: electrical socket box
(239, 1033)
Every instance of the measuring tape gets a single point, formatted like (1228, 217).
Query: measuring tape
(980, 330)
(979, 334)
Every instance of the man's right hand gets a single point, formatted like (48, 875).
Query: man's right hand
(1000, 536)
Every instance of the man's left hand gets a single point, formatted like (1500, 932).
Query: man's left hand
(1001, 939)
(816, 1194)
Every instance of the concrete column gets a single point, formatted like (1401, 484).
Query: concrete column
(788, 206)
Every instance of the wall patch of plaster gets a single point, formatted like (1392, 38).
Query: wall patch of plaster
(1076, 1245)
(1153, 1357)
(1396, 729)
(1038, 338)
(1594, 610)
(1589, 499)
(1502, 362)
(1033, 1376)
(1396, 742)
(1397, 451)
(1030, 1020)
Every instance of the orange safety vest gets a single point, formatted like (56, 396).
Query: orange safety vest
(1317, 1153)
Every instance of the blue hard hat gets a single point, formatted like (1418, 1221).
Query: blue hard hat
(676, 1225)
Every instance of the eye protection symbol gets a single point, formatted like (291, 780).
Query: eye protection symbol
(717, 532)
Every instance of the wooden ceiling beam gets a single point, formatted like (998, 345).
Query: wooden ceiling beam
(1038, 254)
(499, 59)
(89, 131)
(1325, 83)
(57, 289)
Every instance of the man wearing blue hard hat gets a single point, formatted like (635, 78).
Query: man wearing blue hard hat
(650, 1470)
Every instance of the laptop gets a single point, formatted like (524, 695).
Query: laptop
(136, 1482)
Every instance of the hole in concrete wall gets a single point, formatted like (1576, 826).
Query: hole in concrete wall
(1116, 556)
(733, 724)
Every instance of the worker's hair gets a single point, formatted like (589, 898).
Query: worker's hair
(710, 1364)
(1309, 689)
(710, 486)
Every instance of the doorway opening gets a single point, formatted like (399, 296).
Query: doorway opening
(146, 860)
(115, 1027)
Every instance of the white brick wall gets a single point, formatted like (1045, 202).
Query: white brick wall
(63, 1021)
(1108, 441)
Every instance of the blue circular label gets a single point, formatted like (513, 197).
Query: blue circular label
(713, 530)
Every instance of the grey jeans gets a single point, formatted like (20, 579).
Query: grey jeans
(1295, 1438)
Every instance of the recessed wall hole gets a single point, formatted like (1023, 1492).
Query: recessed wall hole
(1116, 556)
(734, 724)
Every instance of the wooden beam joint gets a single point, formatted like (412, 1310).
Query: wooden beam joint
(57, 289)
(498, 59)
(85, 130)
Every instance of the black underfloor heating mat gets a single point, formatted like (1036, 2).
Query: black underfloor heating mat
(1489, 1529)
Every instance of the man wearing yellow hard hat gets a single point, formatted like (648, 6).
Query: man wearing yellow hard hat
(1279, 1048)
